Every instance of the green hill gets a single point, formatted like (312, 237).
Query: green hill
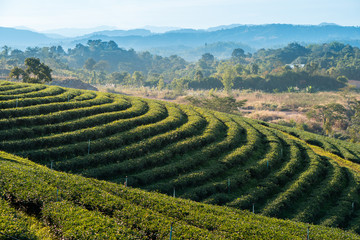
(193, 153)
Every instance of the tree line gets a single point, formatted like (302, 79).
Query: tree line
(294, 67)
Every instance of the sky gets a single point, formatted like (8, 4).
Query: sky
(44, 15)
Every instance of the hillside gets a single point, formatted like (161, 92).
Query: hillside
(178, 150)
(39, 203)
(22, 38)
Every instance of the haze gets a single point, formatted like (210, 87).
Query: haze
(44, 15)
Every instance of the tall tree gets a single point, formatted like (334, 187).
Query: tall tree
(6, 51)
(329, 115)
(138, 78)
(16, 72)
(238, 53)
(227, 74)
(89, 64)
(36, 72)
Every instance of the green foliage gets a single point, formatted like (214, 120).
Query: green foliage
(35, 71)
(222, 104)
(206, 156)
(322, 66)
(227, 74)
(161, 84)
(113, 211)
(137, 78)
(16, 72)
(89, 64)
(328, 115)
(342, 79)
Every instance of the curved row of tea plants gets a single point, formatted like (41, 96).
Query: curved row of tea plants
(39, 203)
(183, 151)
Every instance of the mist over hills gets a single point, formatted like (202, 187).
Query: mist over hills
(184, 41)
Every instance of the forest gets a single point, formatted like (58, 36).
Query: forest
(314, 67)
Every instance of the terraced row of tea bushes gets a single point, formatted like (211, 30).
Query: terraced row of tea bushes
(114, 211)
(64, 218)
(203, 172)
(202, 155)
(256, 166)
(332, 186)
(46, 107)
(112, 135)
(99, 115)
(345, 210)
(15, 104)
(51, 91)
(84, 133)
(24, 90)
(297, 188)
(275, 182)
(347, 150)
(221, 168)
(15, 224)
(94, 106)
(113, 166)
(5, 86)
(191, 160)
(128, 145)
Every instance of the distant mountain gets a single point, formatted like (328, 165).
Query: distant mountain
(76, 32)
(156, 29)
(256, 36)
(54, 35)
(186, 30)
(221, 27)
(121, 33)
(188, 42)
(328, 24)
(22, 38)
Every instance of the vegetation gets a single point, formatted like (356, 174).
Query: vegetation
(315, 67)
(226, 104)
(180, 150)
(35, 71)
(72, 207)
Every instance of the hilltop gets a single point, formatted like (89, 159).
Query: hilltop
(181, 151)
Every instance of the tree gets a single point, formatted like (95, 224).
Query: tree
(16, 72)
(208, 58)
(179, 85)
(5, 51)
(354, 128)
(238, 53)
(254, 68)
(222, 104)
(206, 61)
(161, 84)
(138, 78)
(36, 72)
(102, 66)
(12, 62)
(311, 67)
(329, 114)
(198, 75)
(227, 74)
(89, 64)
(342, 79)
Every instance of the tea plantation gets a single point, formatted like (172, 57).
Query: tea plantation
(74, 140)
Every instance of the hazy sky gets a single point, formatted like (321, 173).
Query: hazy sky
(126, 14)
